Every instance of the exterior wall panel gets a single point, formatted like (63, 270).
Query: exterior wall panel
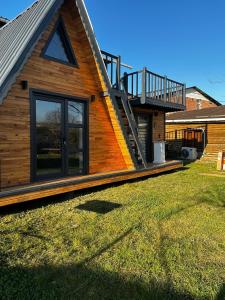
(105, 153)
(215, 137)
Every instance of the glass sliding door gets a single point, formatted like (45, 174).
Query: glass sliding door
(49, 154)
(59, 137)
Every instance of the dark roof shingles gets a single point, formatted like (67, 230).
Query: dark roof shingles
(206, 113)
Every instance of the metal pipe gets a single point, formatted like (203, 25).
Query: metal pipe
(204, 138)
(125, 65)
(114, 59)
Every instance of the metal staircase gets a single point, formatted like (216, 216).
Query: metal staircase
(124, 110)
(131, 128)
(140, 88)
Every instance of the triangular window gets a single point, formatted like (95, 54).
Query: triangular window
(59, 47)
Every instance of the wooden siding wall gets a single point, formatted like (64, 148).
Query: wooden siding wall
(105, 152)
(215, 137)
(116, 126)
(158, 123)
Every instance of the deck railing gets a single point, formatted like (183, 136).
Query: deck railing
(143, 84)
(174, 135)
(148, 85)
(113, 67)
(189, 137)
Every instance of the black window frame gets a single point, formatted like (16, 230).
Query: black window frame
(45, 96)
(60, 26)
(84, 128)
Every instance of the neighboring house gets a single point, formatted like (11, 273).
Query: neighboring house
(197, 99)
(183, 129)
(65, 122)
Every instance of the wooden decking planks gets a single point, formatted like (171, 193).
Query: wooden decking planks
(57, 187)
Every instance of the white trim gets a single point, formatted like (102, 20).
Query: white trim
(194, 94)
(195, 120)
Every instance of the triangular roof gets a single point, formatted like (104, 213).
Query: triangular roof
(19, 37)
(200, 115)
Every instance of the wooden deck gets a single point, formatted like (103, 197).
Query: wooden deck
(50, 188)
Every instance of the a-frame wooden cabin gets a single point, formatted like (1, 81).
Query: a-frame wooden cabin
(68, 119)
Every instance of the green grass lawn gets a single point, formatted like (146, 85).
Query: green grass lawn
(164, 240)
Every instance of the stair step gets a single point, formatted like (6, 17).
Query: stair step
(131, 128)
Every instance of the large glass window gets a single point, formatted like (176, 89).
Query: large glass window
(59, 137)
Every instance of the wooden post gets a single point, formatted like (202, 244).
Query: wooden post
(184, 95)
(220, 161)
(143, 94)
(118, 72)
(125, 82)
(223, 161)
(165, 88)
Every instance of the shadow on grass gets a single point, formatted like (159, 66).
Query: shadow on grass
(43, 202)
(214, 196)
(98, 206)
(187, 162)
(84, 280)
(87, 280)
(24, 234)
(221, 294)
(78, 282)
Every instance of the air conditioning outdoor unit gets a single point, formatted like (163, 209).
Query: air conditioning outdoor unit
(189, 153)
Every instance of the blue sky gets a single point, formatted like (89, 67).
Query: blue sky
(183, 39)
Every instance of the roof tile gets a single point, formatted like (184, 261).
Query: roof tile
(206, 113)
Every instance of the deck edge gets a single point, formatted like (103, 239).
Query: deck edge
(34, 193)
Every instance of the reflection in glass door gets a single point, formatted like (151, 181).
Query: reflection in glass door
(48, 138)
(59, 137)
(75, 137)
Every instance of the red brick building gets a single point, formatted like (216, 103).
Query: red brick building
(197, 99)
